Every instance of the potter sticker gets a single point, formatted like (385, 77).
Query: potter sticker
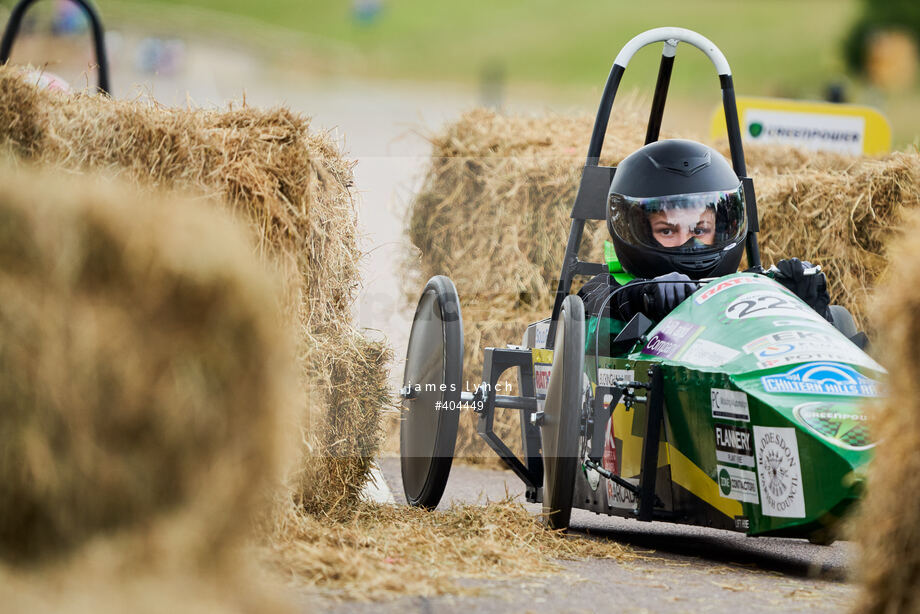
(793, 346)
(779, 472)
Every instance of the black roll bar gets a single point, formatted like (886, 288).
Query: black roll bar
(15, 22)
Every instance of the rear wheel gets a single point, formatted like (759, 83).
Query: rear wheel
(561, 414)
(431, 393)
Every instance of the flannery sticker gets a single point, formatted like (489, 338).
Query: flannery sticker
(841, 424)
(769, 303)
(705, 353)
(781, 491)
(830, 378)
(670, 338)
(611, 377)
(729, 404)
(718, 286)
(737, 484)
(734, 444)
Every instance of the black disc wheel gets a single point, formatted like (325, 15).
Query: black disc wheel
(431, 393)
(561, 414)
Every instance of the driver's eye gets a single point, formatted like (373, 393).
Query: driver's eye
(664, 231)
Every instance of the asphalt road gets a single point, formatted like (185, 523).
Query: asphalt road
(683, 569)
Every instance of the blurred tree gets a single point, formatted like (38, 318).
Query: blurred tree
(878, 16)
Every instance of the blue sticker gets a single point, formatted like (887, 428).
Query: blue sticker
(821, 378)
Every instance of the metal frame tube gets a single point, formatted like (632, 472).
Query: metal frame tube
(15, 22)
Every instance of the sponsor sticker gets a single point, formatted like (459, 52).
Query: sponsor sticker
(542, 365)
(593, 477)
(793, 346)
(742, 523)
(830, 378)
(825, 132)
(620, 498)
(842, 424)
(617, 496)
(540, 332)
(719, 286)
(734, 444)
(781, 490)
(705, 353)
(670, 338)
(737, 484)
(612, 377)
(729, 404)
(779, 323)
(769, 303)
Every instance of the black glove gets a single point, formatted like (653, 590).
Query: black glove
(806, 282)
(660, 298)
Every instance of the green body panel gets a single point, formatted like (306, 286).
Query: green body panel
(764, 427)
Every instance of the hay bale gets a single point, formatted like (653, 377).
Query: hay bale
(493, 214)
(841, 219)
(143, 375)
(887, 528)
(383, 551)
(293, 188)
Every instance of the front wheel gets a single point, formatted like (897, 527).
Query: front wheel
(561, 414)
(431, 389)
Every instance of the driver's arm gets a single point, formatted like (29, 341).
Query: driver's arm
(665, 294)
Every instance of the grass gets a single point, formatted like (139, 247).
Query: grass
(773, 45)
(547, 49)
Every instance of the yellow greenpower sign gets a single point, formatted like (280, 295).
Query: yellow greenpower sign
(820, 126)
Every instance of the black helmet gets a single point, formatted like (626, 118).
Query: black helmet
(677, 205)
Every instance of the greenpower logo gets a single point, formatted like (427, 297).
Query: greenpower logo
(842, 424)
(725, 482)
(755, 128)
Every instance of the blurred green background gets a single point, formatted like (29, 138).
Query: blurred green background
(561, 51)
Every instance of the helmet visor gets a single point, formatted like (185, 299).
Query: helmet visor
(681, 223)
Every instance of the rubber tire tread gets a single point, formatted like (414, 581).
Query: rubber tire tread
(446, 436)
(557, 496)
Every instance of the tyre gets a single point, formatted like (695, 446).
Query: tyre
(561, 414)
(431, 393)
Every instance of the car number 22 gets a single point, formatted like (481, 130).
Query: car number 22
(766, 303)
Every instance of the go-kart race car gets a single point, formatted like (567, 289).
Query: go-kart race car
(739, 410)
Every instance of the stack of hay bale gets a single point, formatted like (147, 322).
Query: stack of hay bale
(146, 384)
(294, 190)
(887, 528)
(493, 214)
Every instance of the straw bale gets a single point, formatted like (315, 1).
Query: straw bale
(887, 528)
(144, 376)
(493, 214)
(380, 551)
(291, 186)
